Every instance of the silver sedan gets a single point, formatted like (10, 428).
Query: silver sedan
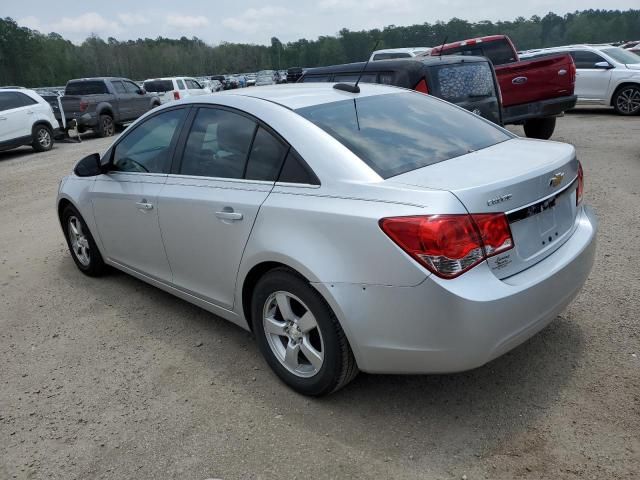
(379, 230)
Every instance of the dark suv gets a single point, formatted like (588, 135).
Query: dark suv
(469, 82)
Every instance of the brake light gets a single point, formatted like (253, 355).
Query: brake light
(83, 105)
(422, 87)
(449, 245)
(580, 189)
(176, 95)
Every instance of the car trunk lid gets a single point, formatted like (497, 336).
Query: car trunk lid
(533, 182)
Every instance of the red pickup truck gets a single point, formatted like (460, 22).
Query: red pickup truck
(534, 92)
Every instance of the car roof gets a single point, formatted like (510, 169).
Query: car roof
(409, 64)
(581, 46)
(300, 95)
(400, 50)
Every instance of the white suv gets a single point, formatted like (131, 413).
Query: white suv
(25, 119)
(175, 88)
(605, 75)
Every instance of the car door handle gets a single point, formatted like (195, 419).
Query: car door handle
(30, 112)
(144, 205)
(229, 215)
(519, 80)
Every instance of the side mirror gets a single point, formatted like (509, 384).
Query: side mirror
(603, 65)
(141, 91)
(89, 166)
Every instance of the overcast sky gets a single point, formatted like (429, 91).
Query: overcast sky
(256, 21)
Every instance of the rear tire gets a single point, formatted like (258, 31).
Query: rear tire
(541, 128)
(322, 361)
(106, 127)
(626, 100)
(82, 246)
(42, 138)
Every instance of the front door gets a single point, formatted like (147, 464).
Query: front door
(125, 200)
(208, 207)
(591, 83)
(16, 116)
(139, 102)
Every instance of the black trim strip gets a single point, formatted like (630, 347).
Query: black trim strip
(540, 206)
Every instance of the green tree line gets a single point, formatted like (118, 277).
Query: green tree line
(31, 58)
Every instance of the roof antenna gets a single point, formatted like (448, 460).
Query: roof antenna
(446, 37)
(347, 87)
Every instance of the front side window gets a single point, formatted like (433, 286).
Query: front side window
(118, 87)
(147, 148)
(399, 132)
(585, 59)
(218, 144)
(621, 55)
(131, 87)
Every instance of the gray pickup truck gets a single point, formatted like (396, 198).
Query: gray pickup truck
(102, 103)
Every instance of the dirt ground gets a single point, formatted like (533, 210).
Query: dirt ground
(105, 378)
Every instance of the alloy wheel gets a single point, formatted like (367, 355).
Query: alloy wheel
(108, 127)
(293, 334)
(628, 100)
(79, 241)
(44, 138)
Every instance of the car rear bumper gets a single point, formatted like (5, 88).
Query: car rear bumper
(544, 108)
(444, 326)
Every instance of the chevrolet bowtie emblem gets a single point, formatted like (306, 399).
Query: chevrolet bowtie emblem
(556, 179)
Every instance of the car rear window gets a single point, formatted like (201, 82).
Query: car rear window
(399, 132)
(391, 55)
(91, 87)
(465, 81)
(158, 86)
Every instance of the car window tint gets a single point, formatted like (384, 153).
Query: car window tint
(131, 87)
(180, 84)
(584, 59)
(119, 87)
(265, 159)
(294, 170)
(386, 78)
(147, 147)
(499, 52)
(218, 144)
(400, 132)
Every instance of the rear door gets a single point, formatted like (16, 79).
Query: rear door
(591, 83)
(208, 206)
(125, 200)
(16, 115)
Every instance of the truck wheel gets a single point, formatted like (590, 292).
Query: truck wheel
(626, 101)
(42, 138)
(541, 128)
(106, 127)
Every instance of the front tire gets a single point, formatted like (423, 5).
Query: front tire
(82, 246)
(106, 127)
(626, 101)
(299, 335)
(540, 128)
(42, 138)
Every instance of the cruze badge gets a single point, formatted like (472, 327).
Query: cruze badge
(556, 179)
(500, 199)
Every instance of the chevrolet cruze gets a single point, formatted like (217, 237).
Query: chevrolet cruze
(369, 228)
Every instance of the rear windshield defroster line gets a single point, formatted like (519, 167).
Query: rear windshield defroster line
(399, 132)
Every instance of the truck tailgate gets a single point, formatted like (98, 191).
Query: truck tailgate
(537, 79)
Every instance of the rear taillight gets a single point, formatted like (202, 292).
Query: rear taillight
(580, 189)
(176, 95)
(422, 87)
(83, 105)
(449, 245)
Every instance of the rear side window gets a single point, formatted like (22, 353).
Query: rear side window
(400, 132)
(465, 81)
(90, 87)
(295, 170)
(146, 148)
(267, 154)
(158, 86)
(218, 144)
(180, 84)
(11, 100)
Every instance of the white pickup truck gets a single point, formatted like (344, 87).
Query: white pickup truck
(605, 75)
(169, 89)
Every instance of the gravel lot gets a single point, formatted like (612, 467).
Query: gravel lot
(112, 378)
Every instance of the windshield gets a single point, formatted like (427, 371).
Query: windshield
(399, 132)
(621, 55)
